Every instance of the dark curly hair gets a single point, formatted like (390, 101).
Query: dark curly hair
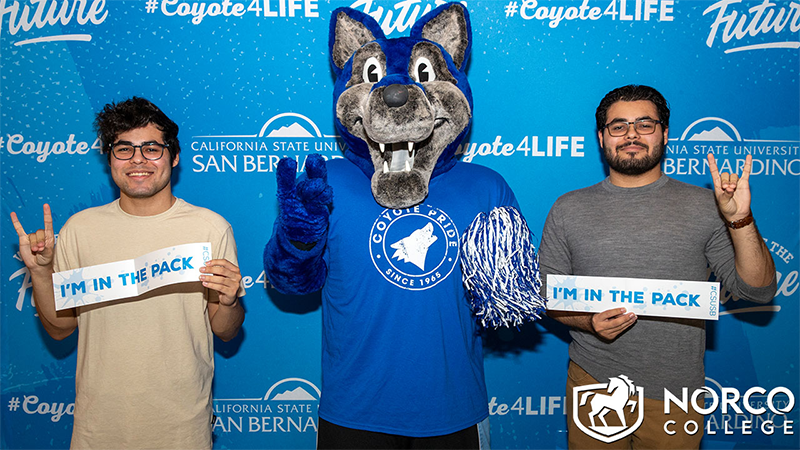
(136, 112)
(632, 93)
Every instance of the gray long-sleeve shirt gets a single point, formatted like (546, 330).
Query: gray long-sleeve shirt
(666, 230)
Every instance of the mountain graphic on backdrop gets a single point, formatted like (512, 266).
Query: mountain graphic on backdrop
(297, 394)
(294, 130)
(716, 134)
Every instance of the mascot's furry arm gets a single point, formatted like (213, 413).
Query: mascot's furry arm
(293, 256)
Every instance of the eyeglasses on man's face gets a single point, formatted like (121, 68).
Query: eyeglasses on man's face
(151, 151)
(642, 126)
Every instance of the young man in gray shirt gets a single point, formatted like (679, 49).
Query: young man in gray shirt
(639, 223)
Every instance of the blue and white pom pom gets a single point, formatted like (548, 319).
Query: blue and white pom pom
(500, 268)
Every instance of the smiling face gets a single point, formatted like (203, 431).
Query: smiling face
(402, 104)
(143, 183)
(407, 123)
(633, 156)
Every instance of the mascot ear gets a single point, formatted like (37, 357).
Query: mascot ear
(350, 30)
(448, 26)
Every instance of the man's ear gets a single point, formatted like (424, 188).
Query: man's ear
(176, 160)
(600, 138)
(666, 136)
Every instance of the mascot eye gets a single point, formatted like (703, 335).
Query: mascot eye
(372, 70)
(423, 71)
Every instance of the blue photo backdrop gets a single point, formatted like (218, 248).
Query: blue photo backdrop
(249, 82)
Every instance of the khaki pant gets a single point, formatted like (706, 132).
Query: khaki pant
(649, 435)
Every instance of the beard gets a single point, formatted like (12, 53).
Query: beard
(630, 165)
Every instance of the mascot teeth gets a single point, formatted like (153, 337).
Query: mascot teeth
(401, 157)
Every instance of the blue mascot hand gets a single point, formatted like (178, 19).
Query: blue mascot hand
(305, 204)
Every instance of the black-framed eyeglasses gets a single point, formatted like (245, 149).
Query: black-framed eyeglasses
(642, 126)
(151, 151)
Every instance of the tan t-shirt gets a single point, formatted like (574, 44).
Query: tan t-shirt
(145, 364)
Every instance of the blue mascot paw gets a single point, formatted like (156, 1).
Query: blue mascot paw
(304, 204)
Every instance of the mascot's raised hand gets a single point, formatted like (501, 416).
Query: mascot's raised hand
(302, 226)
(304, 204)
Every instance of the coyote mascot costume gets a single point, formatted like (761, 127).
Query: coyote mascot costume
(382, 233)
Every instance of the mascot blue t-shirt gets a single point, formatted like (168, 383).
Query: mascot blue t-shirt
(401, 352)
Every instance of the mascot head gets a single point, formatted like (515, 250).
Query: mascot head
(401, 105)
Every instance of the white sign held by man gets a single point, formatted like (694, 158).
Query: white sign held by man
(645, 297)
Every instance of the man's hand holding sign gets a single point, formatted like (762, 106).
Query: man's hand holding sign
(224, 278)
(610, 323)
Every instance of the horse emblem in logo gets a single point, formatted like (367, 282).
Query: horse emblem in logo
(414, 248)
(595, 401)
